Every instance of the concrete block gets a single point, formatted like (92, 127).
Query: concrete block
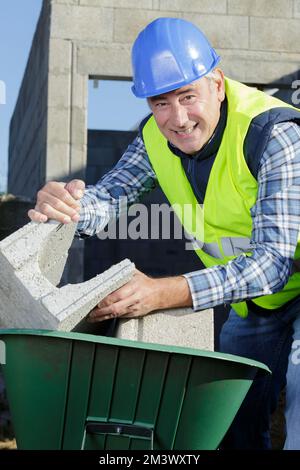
(66, 2)
(117, 3)
(57, 162)
(60, 54)
(297, 8)
(257, 66)
(275, 8)
(78, 126)
(32, 261)
(223, 31)
(106, 60)
(200, 6)
(59, 91)
(82, 23)
(58, 125)
(177, 327)
(266, 72)
(128, 23)
(79, 85)
(274, 34)
(78, 161)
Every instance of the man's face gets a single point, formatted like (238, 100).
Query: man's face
(188, 116)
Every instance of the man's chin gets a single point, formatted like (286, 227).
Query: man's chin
(189, 149)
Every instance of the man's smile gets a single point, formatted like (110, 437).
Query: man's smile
(187, 131)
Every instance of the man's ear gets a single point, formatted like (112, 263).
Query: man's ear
(220, 83)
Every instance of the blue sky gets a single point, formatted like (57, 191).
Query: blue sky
(17, 23)
(18, 18)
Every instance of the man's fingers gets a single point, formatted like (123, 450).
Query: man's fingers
(51, 213)
(76, 188)
(122, 293)
(37, 216)
(115, 310)
(52, 203)
(59, 192)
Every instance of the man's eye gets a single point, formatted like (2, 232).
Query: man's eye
(189, 97)
(160, 105)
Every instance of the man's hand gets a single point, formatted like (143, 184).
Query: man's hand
(143, 295)
(58, 201)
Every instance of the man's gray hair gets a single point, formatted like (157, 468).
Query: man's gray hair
(211, 75)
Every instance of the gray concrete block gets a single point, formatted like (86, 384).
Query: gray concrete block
(67, 2)
(79, 88)
(258, 66)
(78, 160)
(117, 3)
(275, 34)
(223, 31)
(267, 8)
(82, 23)
(32, 262)
(79, 126)
(59, 91)
(177, 327)
(60, 55)
(200, 6)
(111, 60)
(58, 159)
(58, 130)
(128, 23)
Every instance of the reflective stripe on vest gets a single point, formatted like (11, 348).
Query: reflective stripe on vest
(212, 249)
(232, 246)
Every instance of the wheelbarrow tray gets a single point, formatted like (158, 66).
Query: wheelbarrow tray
(74, 390)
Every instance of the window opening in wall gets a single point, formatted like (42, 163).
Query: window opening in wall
(112, 105)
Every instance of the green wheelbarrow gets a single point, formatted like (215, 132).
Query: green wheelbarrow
(79, 391)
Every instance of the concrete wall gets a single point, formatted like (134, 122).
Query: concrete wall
(258, 41)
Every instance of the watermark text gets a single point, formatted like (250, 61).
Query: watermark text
(2, 353)
(2, 92)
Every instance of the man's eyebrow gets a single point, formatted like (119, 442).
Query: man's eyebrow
(176, 92)
(187, 90)
(157, 98)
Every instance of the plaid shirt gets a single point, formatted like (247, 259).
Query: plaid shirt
(275, 217)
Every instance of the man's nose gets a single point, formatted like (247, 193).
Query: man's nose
(179, 115)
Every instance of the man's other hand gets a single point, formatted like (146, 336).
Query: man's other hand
(143, 295)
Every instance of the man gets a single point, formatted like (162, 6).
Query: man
(211, 141)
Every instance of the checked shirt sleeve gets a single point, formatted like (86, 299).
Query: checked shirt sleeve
(124, 185)
(276, 223)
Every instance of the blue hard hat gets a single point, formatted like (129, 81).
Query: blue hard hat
(168, 54)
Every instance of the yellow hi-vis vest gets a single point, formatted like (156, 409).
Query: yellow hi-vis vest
(223, 225)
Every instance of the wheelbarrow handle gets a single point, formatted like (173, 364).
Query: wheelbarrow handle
(117, 429)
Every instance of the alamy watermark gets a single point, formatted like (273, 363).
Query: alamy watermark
(2, 92)
(156, 221)
(2, 353)
(295, 357)
(296, 93)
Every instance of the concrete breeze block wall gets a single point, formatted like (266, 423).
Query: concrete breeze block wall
(258, 41)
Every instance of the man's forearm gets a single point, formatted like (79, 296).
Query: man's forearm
(173, 292)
